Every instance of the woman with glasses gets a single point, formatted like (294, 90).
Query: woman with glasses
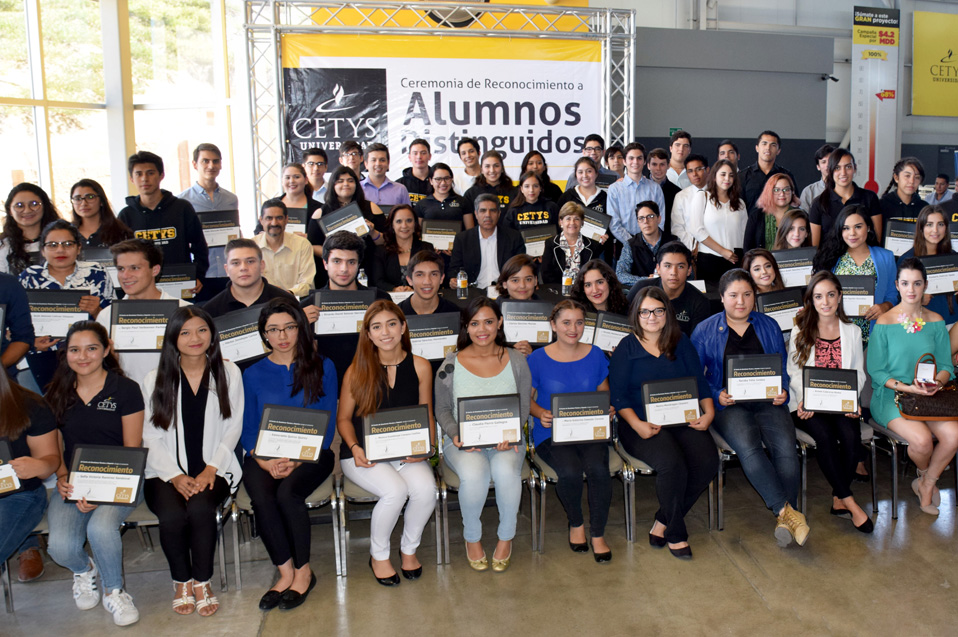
(94, 218)
(28, 211)
(684, 457)
(444, 204)
(840, 192)
(777, 199)
(294, 374)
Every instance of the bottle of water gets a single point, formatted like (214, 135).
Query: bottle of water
(568, 278)
(462, 284)
(361, 278)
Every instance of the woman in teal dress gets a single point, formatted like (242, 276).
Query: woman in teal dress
(851, 248)
(900, 337)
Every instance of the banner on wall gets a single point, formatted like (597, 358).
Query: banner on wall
(513, 95)
(874, 114)
(934, 72)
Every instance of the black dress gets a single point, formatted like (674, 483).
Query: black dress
(405, 393)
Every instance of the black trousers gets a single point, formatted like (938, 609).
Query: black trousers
(570, 463)
(837, 440)
(187, 527)
(685, 461)
(711, 268)
(280, 506)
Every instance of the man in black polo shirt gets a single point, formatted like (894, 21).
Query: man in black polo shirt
(247, 287)
(416, 177)
(753, 178)
(424, 273)
(672, 265)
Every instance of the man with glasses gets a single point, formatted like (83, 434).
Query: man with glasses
(637, 260)
(206, 194)
(351, 156)
(315, 162)
(594, 147)
(697, 168)
(416, 177)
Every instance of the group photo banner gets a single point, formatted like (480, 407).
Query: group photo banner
(934, 84)
(513, 95)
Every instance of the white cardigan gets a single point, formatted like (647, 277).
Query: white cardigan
(220, 436)
(707, 219)
(850, 336)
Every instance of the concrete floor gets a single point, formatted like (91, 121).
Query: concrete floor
(897, 581)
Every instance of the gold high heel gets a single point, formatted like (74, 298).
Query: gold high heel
(481, 564)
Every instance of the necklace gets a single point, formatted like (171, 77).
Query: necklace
(912, 325)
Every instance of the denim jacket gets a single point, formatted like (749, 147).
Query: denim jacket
(711, 336)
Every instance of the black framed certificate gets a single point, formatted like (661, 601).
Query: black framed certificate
(604, 180)
(588, 328)
(138, 326)
(397, 433)
(858, 293)
(942, 271)
(536, 238)
(899, 236)
(104, 258)
(342, 311)
(349, 218)
(526, 321)
(486, 421)
(753, 377)
(440, 232)
(54, 311)
(433, 336)
(595, 225)
(781, 305)
(9, 481)
(671, 402)
(102, 474)
(295, 433)
(610, 329)
(795, 265)
(296, 219)
(580, 417)
(177, 280)
(832, 391)
(219, 226)
(239, 334)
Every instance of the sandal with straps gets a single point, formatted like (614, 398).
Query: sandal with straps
(208, 598)
(185, 598)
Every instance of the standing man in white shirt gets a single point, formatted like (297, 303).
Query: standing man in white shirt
(205, 194)
(315, 161)
(697, 168)
(288, 257)
(680, 145)
(811, 192)
(469, 152)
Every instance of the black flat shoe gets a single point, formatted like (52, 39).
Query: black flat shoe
(863, 477)
(684, 553)
(392, 580)
(579, 548)
(866, 527)
(291, 599)
(270, 600)
(657, 542)
(841, 513)
(415, 573)
(601, 558)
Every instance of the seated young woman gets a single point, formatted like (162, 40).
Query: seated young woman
(518, 281)
(598, 289)
(761, 266)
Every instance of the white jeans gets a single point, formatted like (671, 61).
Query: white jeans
(395, 483)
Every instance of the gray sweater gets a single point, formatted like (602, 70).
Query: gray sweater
(447, 411)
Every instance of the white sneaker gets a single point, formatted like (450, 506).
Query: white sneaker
(85, 592)
(121, 605)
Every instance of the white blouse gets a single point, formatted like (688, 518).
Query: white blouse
(718, 221)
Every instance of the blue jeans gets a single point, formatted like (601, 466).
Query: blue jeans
(745, 426)
(70, 529)
(475, 469)
(19, 514)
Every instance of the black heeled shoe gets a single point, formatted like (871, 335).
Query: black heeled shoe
(392, 580)
(684, 553)
(657, 542)
(291, 599)
(578, 547)
(271, 599)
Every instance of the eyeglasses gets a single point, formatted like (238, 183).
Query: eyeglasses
(785, 190)
(593, 149)
(53, 245)
(700, 169)
(88, 197)
(442, 180)
(276, 331)
(352, 154)
(659, 312)
(31, 205)
(640, 218)
(315, 163)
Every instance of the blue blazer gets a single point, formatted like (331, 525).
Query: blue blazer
(711, 336)
(885, 270)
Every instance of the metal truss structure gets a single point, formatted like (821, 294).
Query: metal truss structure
(268, 20)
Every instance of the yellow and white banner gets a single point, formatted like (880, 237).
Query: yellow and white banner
(934, 79)
(513, 95)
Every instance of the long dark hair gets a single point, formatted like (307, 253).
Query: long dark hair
(834, 246)
(308, 368)
(734, 191)
(520, 199)
(332, 199)
(18, 259)
(15, 405)
(807, 321)
(544, 177)
(762, 253)
(470, 311)
(788, 220)
(900, 165)
(308, 188)
(921, 246)
(512, 267)
(825, 199)
(390, 244)
(61, 393)
(617, 303)
(504, 187)
(370, 375)
(112, 230)
(167, 385)
(671, 333)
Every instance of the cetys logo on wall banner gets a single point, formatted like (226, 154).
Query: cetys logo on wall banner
(934, 88)
(512, 95)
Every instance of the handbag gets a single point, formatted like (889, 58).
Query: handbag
(943, 405)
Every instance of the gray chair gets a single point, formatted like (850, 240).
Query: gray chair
(243, 507)
(348, 491)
